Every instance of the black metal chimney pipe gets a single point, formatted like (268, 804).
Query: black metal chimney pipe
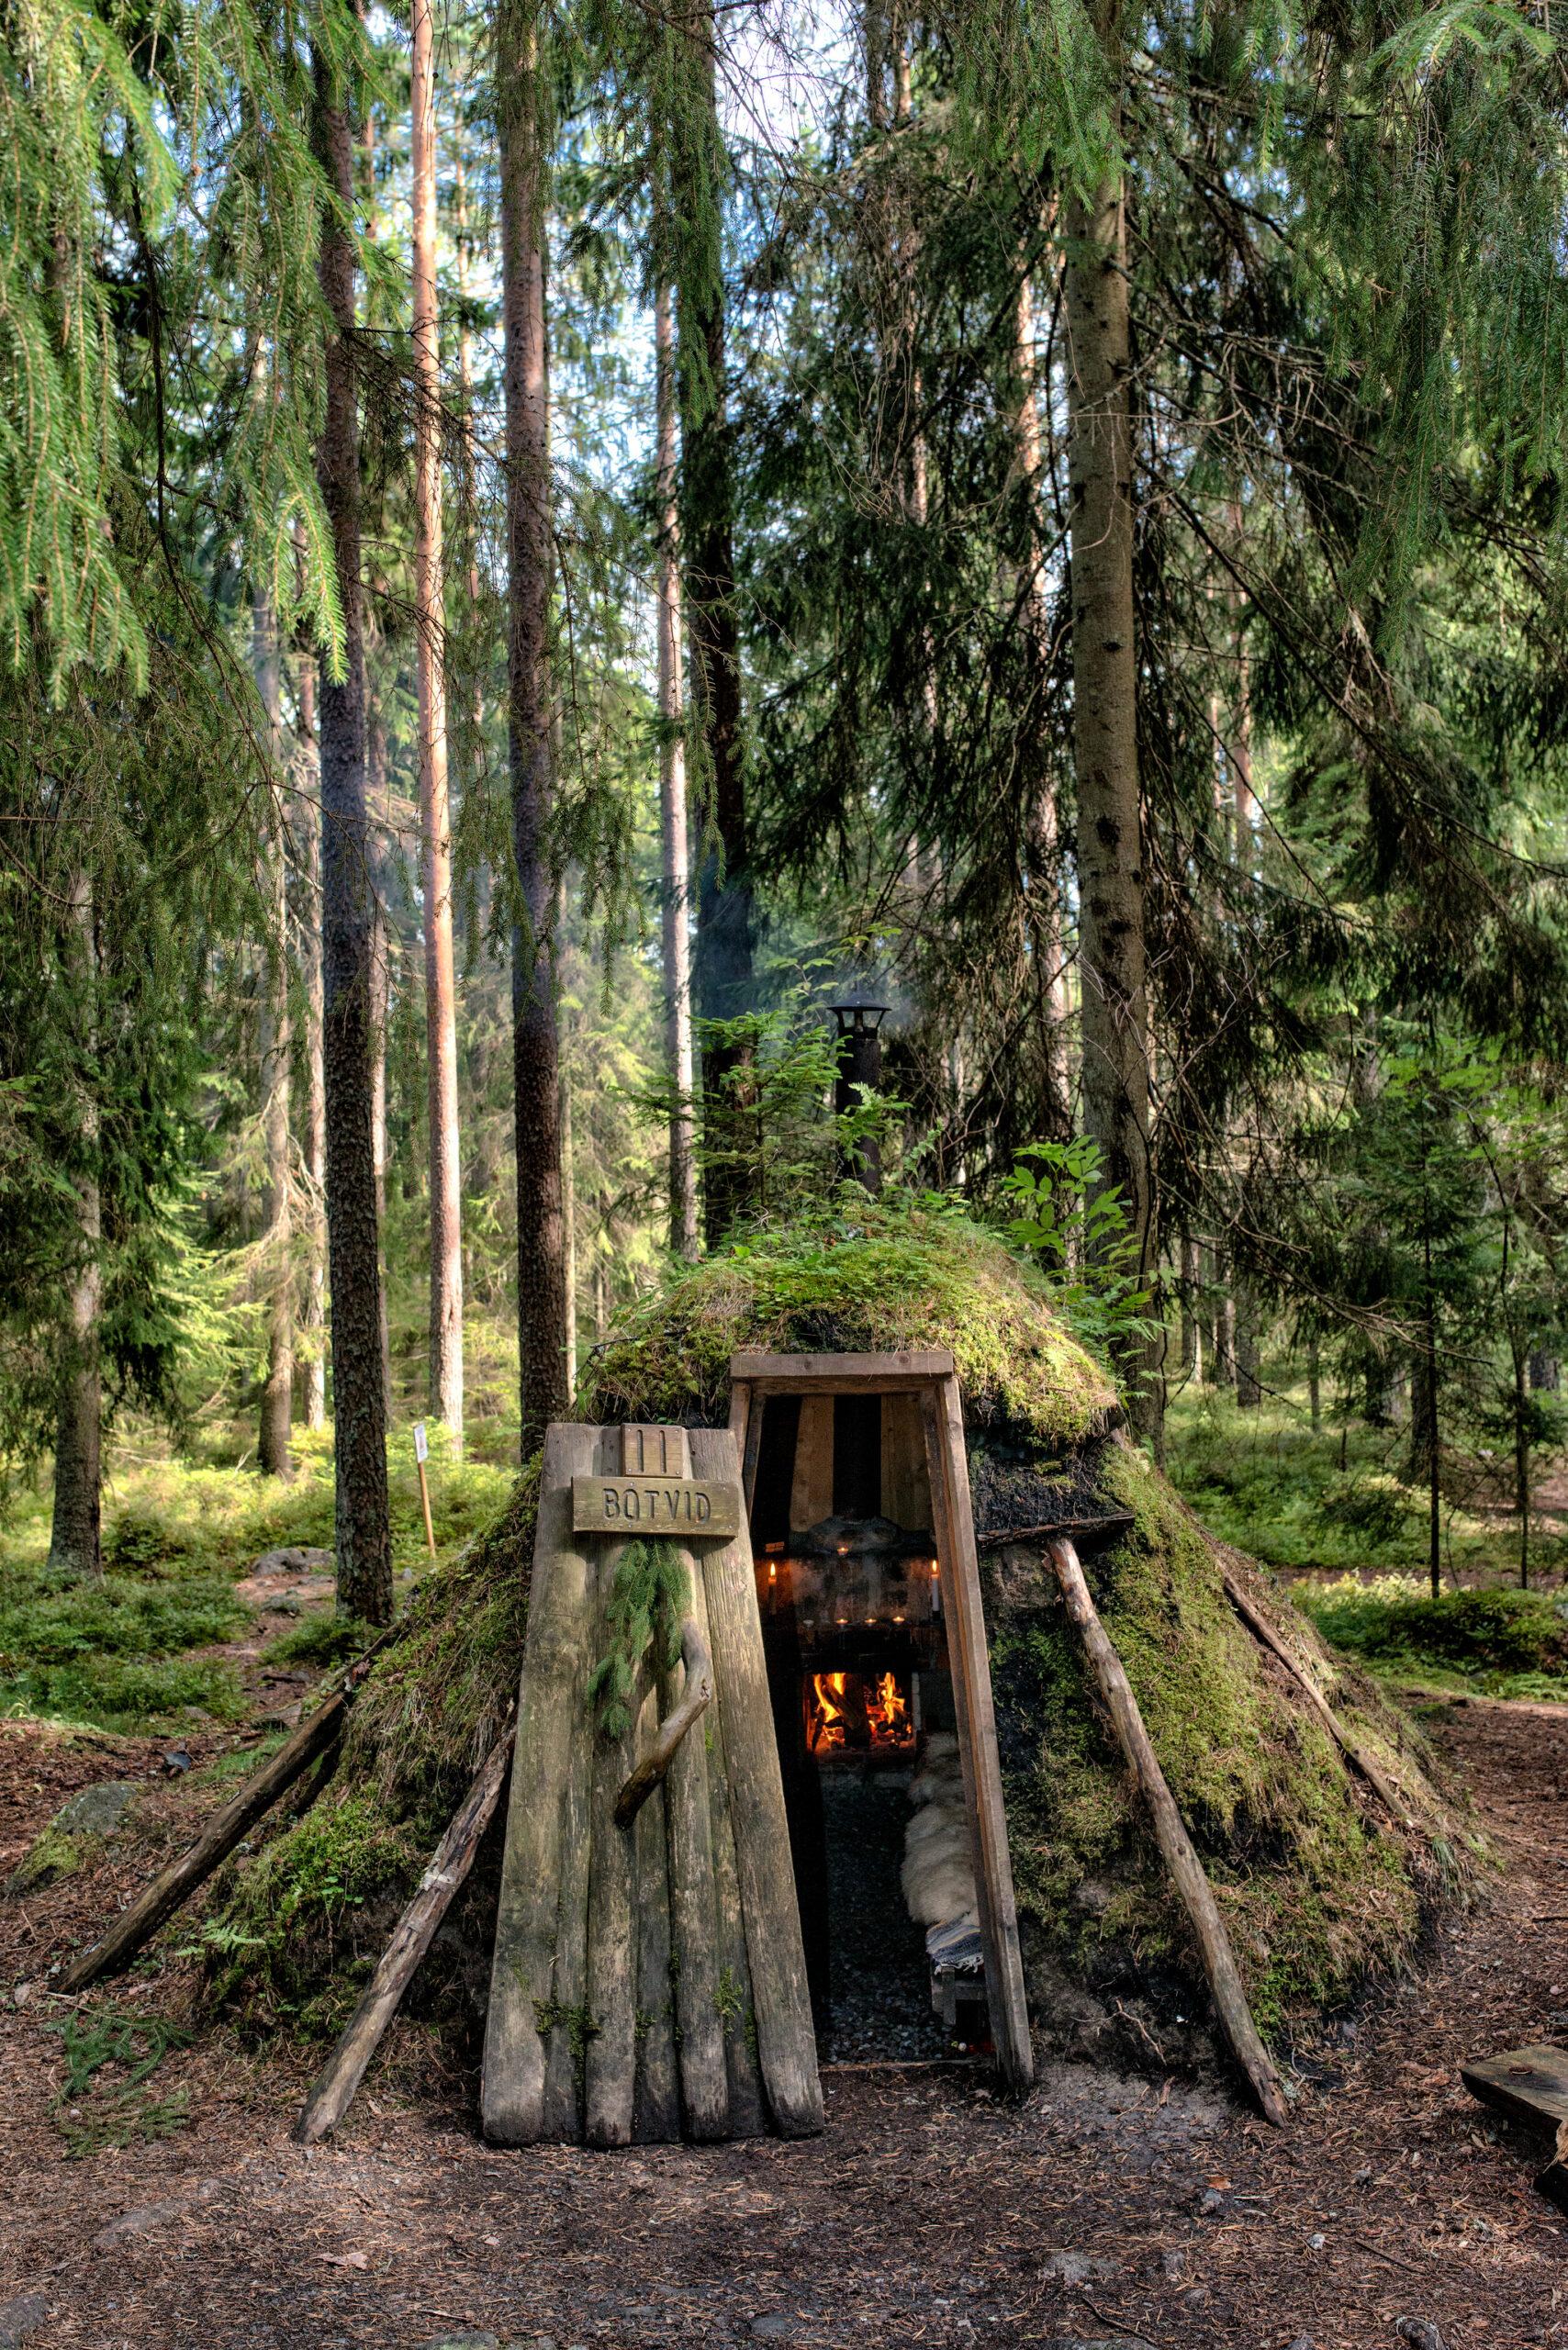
(859, 1064)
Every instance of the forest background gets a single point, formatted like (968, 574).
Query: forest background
(540, 550)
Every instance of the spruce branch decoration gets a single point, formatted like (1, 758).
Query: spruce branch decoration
(647, 1600)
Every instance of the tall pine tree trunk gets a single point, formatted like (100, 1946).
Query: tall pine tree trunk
(276, 1051)
(1114, 1010)
(378, 801)
(74, 1542)
(541, 1230)
(1043, 840)
(725, 908)
(441, 991)
(364, 1533)
(672, 828)
(314, 1318)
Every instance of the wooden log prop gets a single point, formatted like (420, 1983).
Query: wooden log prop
(696, 1697)
(1268, 1637)
(1175, 1844)
(318, 1731)
(337, 2084)
(974, 1710)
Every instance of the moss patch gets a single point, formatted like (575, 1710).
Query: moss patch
(891, 1279)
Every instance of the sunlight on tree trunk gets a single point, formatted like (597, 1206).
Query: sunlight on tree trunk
(272, 1456)
(75, 1534)
(1043, 839)
(313, 1320)
(673, 832)
(441, 998)
(1115, 1013)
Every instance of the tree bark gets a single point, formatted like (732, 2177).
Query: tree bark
(441, 992)
(314, 1320)
(75, 1544)
(1114, 1010)
(378, 801)
(569, 1226)
(364, 1533)
(541, 1236)
(725, 911)
(276, 1049)
(672, 830)
(1043, 894)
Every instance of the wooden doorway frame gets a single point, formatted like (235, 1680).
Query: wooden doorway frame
(755, 1376)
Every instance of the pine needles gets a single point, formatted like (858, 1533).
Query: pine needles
(648, 1598)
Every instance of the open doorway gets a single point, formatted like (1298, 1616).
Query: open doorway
(879, 1686)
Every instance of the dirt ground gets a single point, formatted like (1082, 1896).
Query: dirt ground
(1105, 2212)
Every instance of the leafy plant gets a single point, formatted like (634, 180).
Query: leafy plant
(1070, 1221)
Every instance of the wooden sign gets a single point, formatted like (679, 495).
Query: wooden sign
(691, 1508)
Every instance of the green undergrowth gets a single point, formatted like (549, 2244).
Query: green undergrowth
(1504, 1644)
(1332, 1501)
(109, 1653)
(1322, 1891)
(117, 1652)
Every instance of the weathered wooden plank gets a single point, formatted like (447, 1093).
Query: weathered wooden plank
(572, 2020)
(736, 2008)
(694, 1930)
(554, 1669)
(958, 1566)
(656, 2105)
(609, 2064)
(1175, 1844)
(906, 1483)
(842, 1374)
(785, 2042)
(1529, 2084)
(334, 2088)
(685, 1508)
(811, 1490)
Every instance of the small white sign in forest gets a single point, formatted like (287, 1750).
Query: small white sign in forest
(421, 1442)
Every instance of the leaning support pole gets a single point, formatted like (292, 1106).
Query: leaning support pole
(337, 2084)
(1175, 1844)
(1264, 1633)
(695, 1699)
(218, 1838)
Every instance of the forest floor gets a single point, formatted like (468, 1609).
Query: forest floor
(1105, 2211)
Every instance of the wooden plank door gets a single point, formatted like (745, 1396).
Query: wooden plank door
(648, 1983)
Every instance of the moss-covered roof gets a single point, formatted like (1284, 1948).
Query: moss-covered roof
(891, 1279)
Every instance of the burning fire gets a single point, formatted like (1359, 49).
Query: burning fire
(837, 1702)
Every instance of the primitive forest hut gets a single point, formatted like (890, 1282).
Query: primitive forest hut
(1324, 1838)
